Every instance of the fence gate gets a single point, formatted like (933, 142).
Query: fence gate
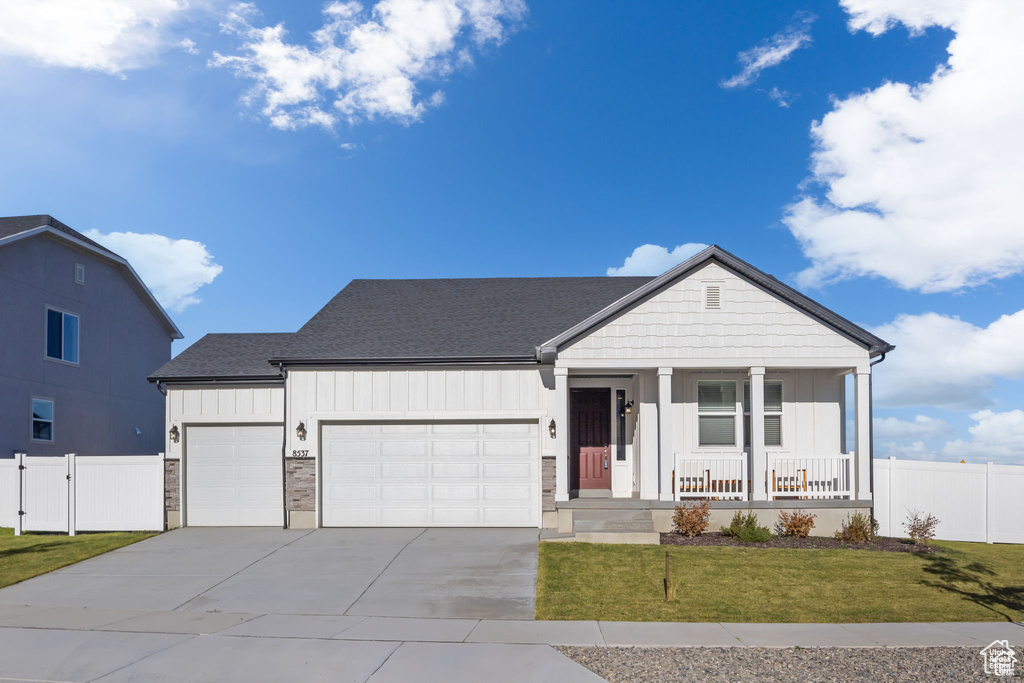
(67, 493)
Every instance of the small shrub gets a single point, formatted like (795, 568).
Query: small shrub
(796, 523)
(920, 527)
(858, 528)
(744, 528)
(692, 520)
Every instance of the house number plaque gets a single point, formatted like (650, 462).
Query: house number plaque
(300, 454)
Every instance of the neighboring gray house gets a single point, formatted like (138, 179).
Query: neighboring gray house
(79, 332)
(528, 402)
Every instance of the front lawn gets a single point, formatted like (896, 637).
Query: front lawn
(967, 582)
(22, 557)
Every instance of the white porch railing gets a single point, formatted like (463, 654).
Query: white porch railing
(718, 476)
(801, 478)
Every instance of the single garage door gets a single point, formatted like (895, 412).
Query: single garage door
(233, 476)
(431, 474)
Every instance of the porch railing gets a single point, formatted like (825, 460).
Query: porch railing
(802, 478)
(719, 476)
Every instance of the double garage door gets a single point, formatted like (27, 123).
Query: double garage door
(373, 474)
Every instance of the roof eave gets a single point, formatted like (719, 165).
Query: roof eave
(416, 360)
(216, 379)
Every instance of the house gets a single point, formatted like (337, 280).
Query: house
(524, 401)
(79, 332)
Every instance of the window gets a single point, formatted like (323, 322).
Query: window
(716, 410)
(42, 419)
(620, 424)
(61, 335)
(772, 413)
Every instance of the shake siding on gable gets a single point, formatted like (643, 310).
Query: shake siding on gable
(751, 323)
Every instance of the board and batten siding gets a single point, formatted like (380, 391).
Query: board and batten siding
(222, 405)
(414, 394)
(750, 324)
(812, 410)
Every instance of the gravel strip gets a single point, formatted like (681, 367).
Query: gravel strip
(665, 665)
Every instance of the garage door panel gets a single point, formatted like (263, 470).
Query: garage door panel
(233, 476)
(439, 474)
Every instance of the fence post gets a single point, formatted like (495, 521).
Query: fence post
(892, 487)
(988, 502)
(72, 486)
(18, 527)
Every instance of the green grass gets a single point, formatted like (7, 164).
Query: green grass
(22, 557)
(966, 582)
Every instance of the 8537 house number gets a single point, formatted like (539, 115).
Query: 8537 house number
(300, 454)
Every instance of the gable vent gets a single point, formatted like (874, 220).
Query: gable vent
(712, 296)
(79, 274)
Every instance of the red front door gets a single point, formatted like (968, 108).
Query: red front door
(590, 438)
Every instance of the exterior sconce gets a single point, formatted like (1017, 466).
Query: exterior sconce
(174, 434)
(551, 429)
(300, 431)
(629, 408)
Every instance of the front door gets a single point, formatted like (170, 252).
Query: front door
(590, 438)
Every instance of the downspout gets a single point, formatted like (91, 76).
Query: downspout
(161, 388)
(284, 448)
(871, 436)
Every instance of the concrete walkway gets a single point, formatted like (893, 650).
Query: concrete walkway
(83, 644)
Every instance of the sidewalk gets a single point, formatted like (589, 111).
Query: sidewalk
(509, 631)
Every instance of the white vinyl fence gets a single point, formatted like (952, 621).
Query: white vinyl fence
(72, 493)
(972, 502)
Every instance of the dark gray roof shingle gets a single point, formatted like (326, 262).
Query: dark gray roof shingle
(464, 318)
(227, 355)
(12, 225)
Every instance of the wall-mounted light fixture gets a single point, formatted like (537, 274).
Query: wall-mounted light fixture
(174, 434)
(300, 431)
(551, 429)
(629, 408)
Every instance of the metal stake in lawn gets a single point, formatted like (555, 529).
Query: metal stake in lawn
(670, 592)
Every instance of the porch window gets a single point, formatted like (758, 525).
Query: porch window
(716, 413)
(772, 413)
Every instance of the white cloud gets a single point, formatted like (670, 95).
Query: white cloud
(944, 361)
(781, 97)
(923, 182)
(362, 65)
(771, 52)
(922, 427)
(913, 451)
(110, 36)
(173, 269)
(189, 46)
(650, 259)
(997, 437)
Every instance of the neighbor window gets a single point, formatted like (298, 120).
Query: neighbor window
(716, 410)
(61, 335)
(772, 413)
(42, 419)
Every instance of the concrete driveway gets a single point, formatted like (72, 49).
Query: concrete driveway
(434, 573)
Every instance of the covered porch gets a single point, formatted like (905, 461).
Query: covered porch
(774, 435)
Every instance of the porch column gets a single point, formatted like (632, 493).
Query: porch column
(560, 414)
(863, 434)
(758, 454)
(666, 456)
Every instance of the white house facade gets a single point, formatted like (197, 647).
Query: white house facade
(518, 402)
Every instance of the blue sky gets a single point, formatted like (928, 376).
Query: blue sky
(566, 135)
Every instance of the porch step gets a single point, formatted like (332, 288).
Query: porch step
(612, 521)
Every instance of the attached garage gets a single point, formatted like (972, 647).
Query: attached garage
(431, 474)
(233, 476)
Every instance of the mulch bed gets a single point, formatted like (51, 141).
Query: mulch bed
(881, 543)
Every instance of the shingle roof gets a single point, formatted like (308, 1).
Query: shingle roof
(465, 318)
(227, 356)
(12, 225)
